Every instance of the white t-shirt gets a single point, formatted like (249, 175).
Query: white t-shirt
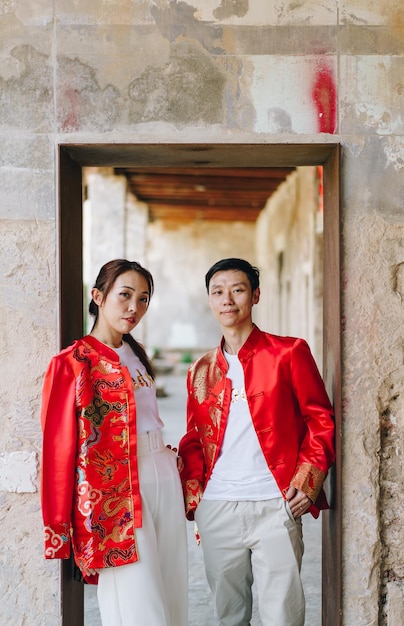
(240, 472)
(147, 413)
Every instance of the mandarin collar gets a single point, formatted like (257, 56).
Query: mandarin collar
(246, 349)
(250, 343)
(101, 348)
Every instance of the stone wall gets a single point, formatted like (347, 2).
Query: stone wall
(208, 72)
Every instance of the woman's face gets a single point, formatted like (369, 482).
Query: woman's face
(123, 307)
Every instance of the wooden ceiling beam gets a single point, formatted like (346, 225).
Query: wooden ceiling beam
(203, 192)
(205, 199)
(154, 184)
(195, 172)
(190, 214)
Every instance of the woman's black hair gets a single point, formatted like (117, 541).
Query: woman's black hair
(253, 273)
(104, 282)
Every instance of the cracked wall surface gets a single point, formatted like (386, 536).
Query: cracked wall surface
(373, 416)
(209, 71)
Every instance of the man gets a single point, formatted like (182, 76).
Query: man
(258, 447)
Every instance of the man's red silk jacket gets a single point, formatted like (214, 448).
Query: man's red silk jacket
(89, 482)
(290, 410)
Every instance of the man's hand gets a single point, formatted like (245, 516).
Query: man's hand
(299, 503)
(180, 463)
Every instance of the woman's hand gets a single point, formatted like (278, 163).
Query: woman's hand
(299, 503)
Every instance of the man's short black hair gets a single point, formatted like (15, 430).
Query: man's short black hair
(253, 273)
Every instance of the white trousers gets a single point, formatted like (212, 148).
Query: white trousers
(153, 591)
(253, 541)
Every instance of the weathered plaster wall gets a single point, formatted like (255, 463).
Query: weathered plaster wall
(208, 71)
(29, 320)
(373, 428)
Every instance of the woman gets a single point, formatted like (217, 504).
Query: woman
(110, 486)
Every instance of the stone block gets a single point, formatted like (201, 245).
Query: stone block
(300, 93)
(395, 604)
(18, 472)
(17, 204)
(26, 82)
(371, 93)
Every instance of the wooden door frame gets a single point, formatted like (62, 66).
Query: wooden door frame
(73, 157)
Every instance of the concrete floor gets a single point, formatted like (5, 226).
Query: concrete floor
(172, 411)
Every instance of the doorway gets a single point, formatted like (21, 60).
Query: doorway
(74, 157)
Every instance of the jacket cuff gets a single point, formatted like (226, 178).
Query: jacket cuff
(57, 541)
(309, 479)
(193, 492)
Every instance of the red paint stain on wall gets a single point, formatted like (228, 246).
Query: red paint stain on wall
(70, 100)
(324, 96)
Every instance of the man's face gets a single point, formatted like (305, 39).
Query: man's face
(231, 298)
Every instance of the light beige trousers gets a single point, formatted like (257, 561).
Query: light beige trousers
(253, 541)
(154, 590)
